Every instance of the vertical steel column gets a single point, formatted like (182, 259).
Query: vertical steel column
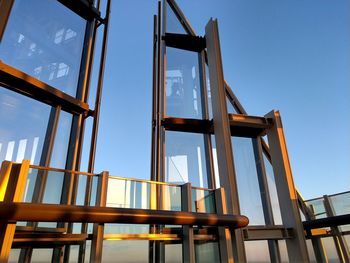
(265, 197)
(317, 244)
(5, 10)
(40, 182)
(205, 111)
(224, 233)
(339, 240)
(297, 250)
(188, 255)
(96, 117)
(97, 238)
(222, 132)
(13, 179)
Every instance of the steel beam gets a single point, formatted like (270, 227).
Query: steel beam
(90, 214)
(297, 250)
(222, 131)
(188, 255)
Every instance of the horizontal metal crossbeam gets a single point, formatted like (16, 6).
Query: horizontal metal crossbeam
(66, 213)
(27, 85)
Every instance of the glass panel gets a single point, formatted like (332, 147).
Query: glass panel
(317, 207)
(171, 197)
(215, 162)
(310, 250)
(183, 95)
(126, 229)
(185, 159)
(46, 46)
(247, 180)
(257, 251)
(230, 108)
(341, 203)
(203, 201)
(14, 255)
(41, 255)
(81, 190)
(60, 150)
(173, 24)
(74, 254)
(53, 188)
(282, 246)
(331, 251)
(128, 194)
(273, 191)
(23, 127)
(210, 107)
(125, 251)
(207, 251)
(135, 194)
(173, 253)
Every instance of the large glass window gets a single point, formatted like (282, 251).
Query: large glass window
(183, 95)
(173, 24)
(247, 180)
(44, 39)
(185, 159)
(22, 128)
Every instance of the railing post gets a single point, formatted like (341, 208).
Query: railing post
(97, 239)
(13, 178)
(188, 255)
(224, 233)
(287, 196)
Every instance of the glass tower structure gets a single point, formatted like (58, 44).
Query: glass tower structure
(220, 188)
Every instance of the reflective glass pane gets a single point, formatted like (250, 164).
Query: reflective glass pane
(128, 194)
(171, 197)
(125, 251)
(282, 246)
(183, 95)
(53, 188)
(23, 127)
(185, 159)
(207, 251)
(173, 253)
(173, 25)
(210, 107)
(46, 46)
(330, 249)
(247, 180)
(41, 255)
(203, 201)
(257, 251)
(60, 149)
(317, 207)
(310, 250)
(126, 229)
(341, 203)
(273, 191)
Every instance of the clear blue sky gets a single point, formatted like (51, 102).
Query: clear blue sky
(289, 55)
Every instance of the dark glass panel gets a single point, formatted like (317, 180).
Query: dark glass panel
(203, 201)
(183, 93)
(44, 39)
(185, 159)
(23, 127)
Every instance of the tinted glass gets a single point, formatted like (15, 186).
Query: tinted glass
(173, 24)
(183, 95)
(247, 180)
(185, 159)
(22, 127)
(44, 39)
(257, 251)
